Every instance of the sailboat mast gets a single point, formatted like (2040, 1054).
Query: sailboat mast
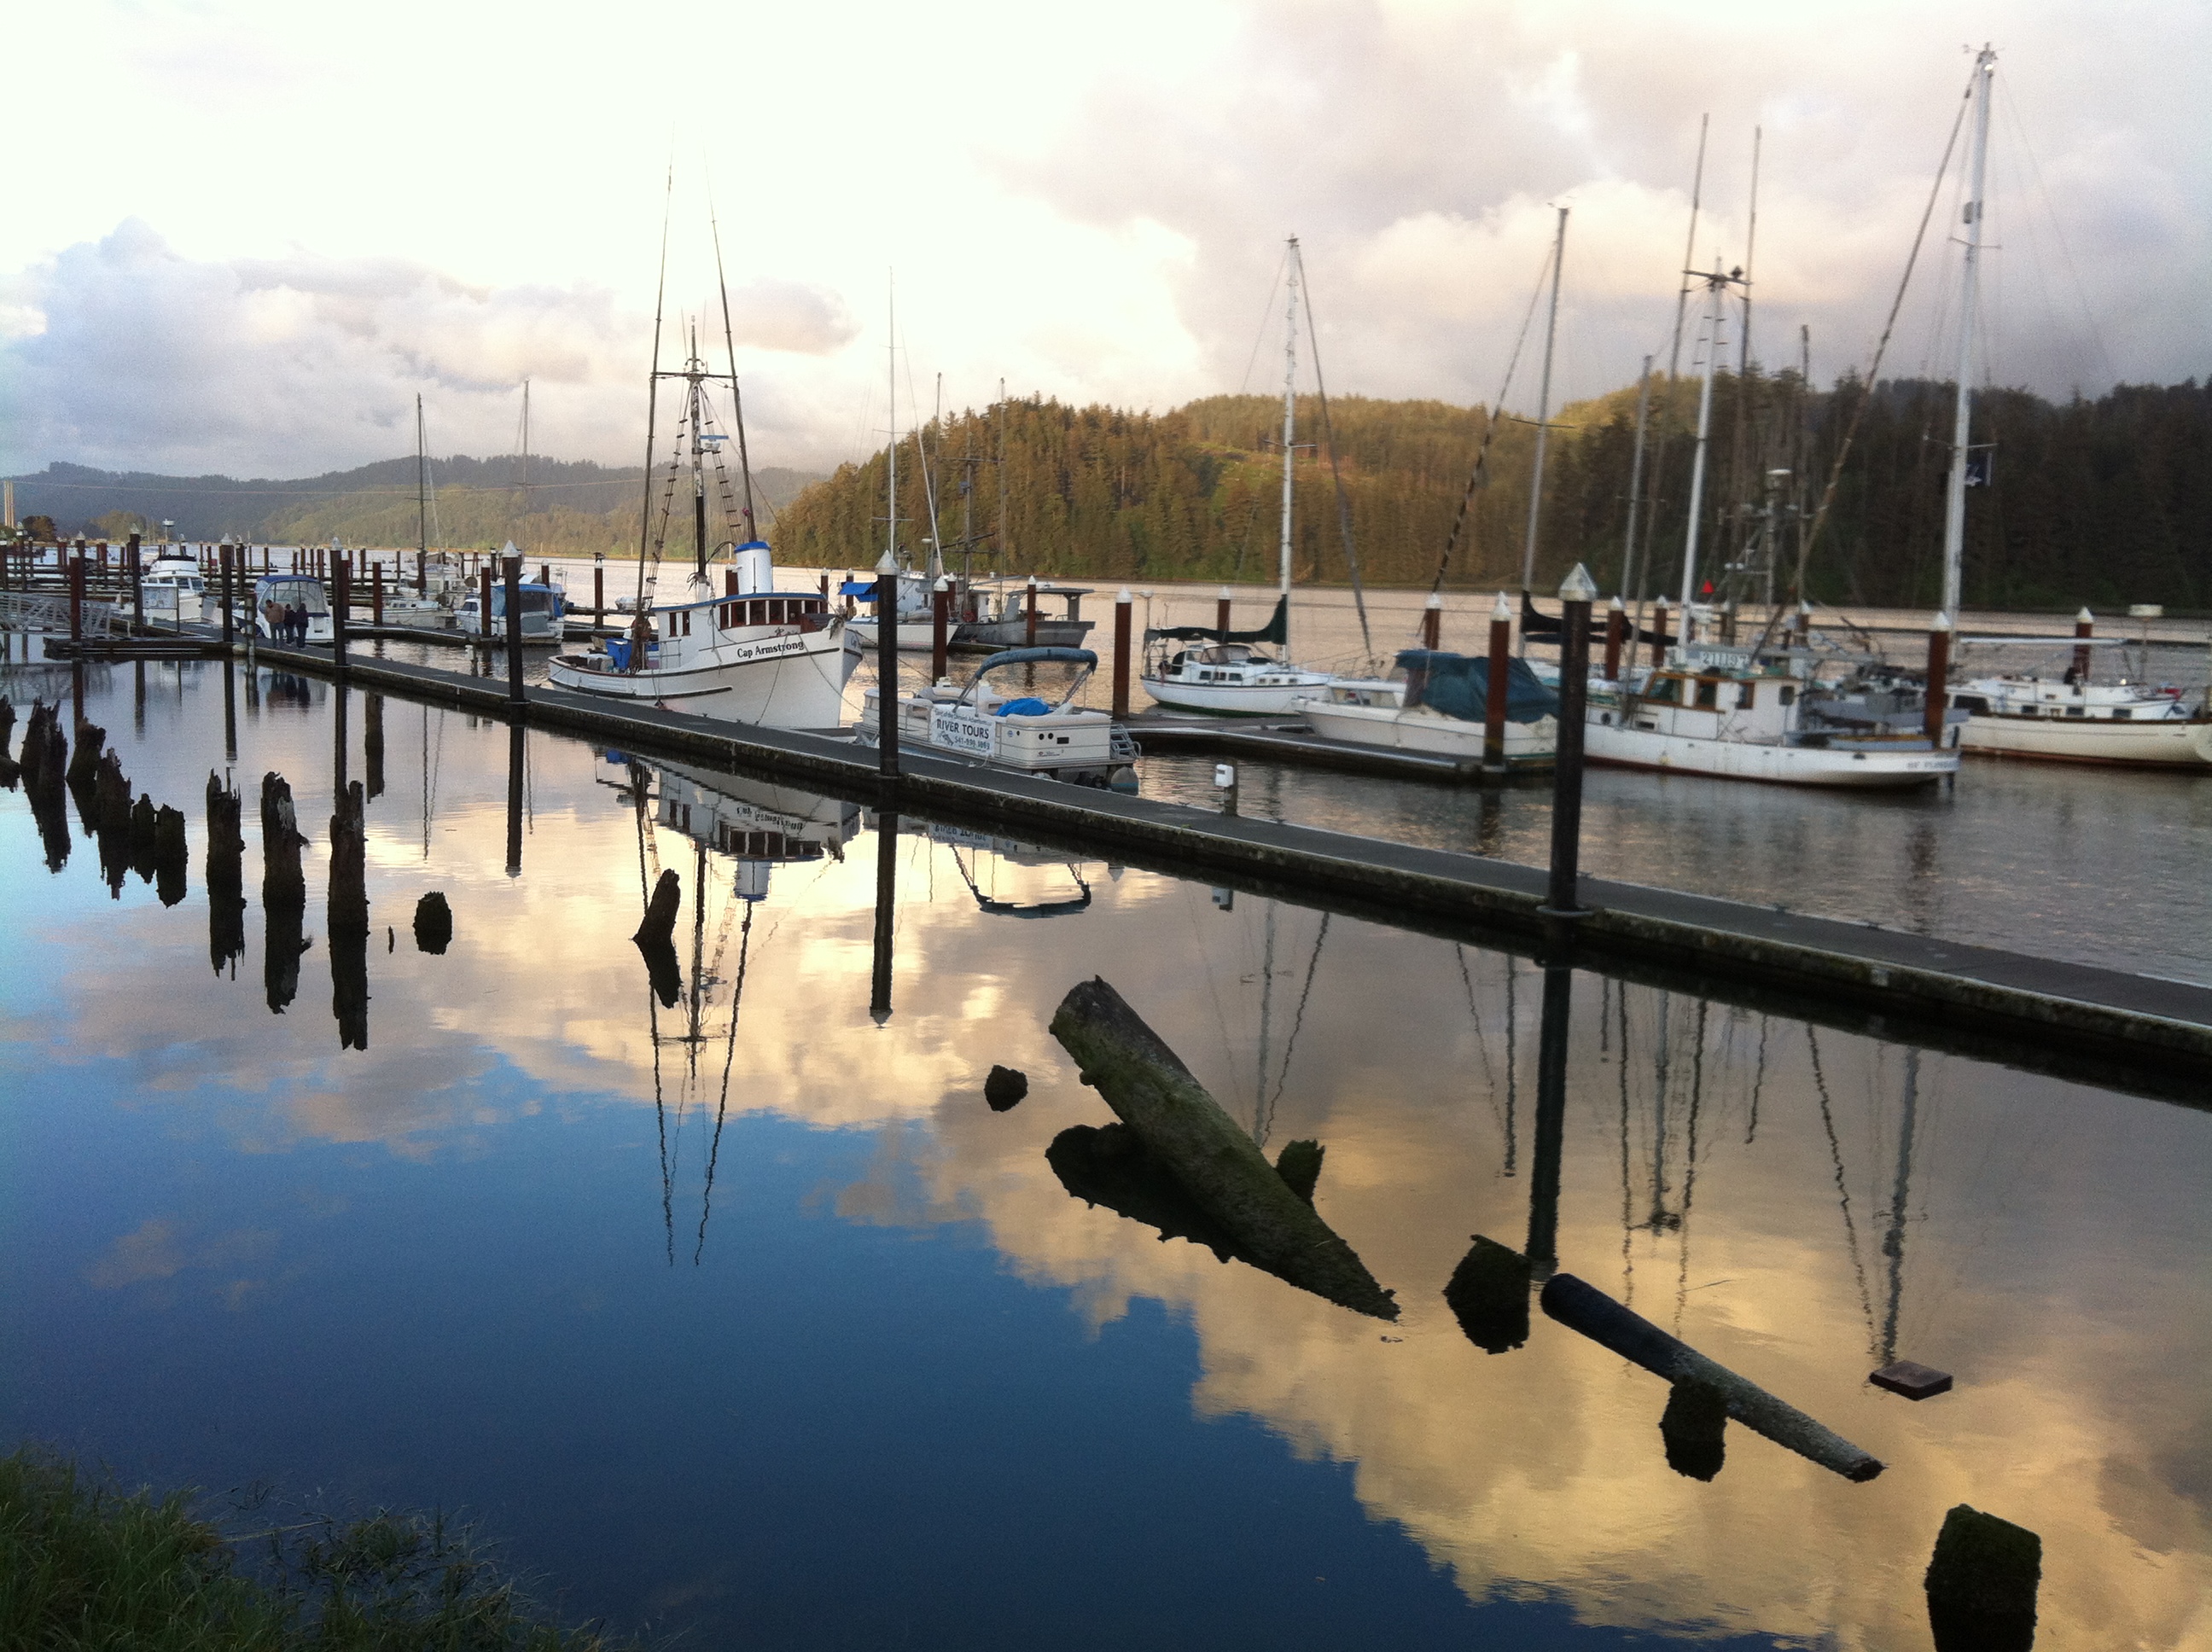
(737, 396)
(891, 489)
(1714, 284)
(421, 486)
(1954, 495)
(698, 464)
(1290, 405)
(1631, 588)
(1543, 413)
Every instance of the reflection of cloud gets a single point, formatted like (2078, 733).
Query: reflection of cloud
(158, 1249)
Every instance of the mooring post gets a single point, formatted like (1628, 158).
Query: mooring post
(483, 608)
(1028, 613)
(513, 572)
(1938, 696)
(422, 570)
(1494, 690)
(1659, 635)
(76, 599)
(1616, 628)
(376, 595)
(1221, 615)
(2085, 625)
(138, 585)
(1576, 596)
(229, 620)
(1432, 621)
(598, 590)
(1123, 606)
(880, 977)
(340, 598)
(940, 626)
(887, 708)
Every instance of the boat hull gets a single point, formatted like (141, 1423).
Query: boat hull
(1014, 633)
(1746, 760)
(1235, 699)
(1528, 745)
(2164, 743)
(793, 680)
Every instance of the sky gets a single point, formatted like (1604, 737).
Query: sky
(249, 235)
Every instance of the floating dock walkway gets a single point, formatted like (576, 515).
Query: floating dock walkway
(2077, 1021)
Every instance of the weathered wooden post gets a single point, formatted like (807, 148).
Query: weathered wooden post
(1030, 613)
(283, 886)
(887, 707)
(1221, 615)
(346, 919)
(599, 591)
(1981, 1583)
(1432, 621)
(1938, 696)
(376, 595)
(1616, 629)
(1576, 596)
(940, 624)
(1495, 690)
(230, 555)
(226, 874)
(1659, 634)
(422, 570)
(341, 599)
(513, 572)
(136, 569)
(76, 599)
(879, 974)
(2085, 625)
(433, 923)
(1123, 607)
(483, 608)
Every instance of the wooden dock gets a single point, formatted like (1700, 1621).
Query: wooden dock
(2093, 1026)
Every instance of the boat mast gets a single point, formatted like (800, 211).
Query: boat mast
(1543, 413)
(1716, 283)
(890, 353)
(422, 487)
(652, 398)
(1631, 587)
(737, 396)
(692, 371)
(1289, 412)
(1954, 495)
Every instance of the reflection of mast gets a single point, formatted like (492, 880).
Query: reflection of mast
(1265, 1119)
(722, 1103)
(1259, 1119)
(1690, 1163)
(1842, 1187)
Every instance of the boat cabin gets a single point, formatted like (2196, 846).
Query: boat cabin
(282, 601)
(1705, 704)
(2033, 697)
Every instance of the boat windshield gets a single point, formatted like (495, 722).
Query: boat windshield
(534, 601)
(296, 594)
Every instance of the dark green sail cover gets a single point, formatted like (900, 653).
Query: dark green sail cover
(1458, 686)
(1276, 630)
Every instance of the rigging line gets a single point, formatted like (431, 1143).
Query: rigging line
(1690, 1165)
(1873, 371)
(1297, 1020)
(1843, 1187)
(2058, 230)
(730, 340)
(1478, 478)
(722, 1106)
(1266, 319)
(1481, 1044)
(652, 389)
(1335, 471)
(1758, 1083)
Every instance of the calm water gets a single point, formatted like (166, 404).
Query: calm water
(744, 1314)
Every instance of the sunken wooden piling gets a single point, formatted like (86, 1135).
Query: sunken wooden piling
(172, 854)
(10, 771)
(144, 817)
(34, 742)
(84, 769)
(111, 808)
(1981, 1583)
(1153, 1092)
(347, 905)
(433, 924)
(1582, 1307)
(225, 874)
(1694, 1427)
(283, 884)
(660, 924)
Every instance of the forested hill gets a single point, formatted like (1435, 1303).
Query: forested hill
(554, 507)
(2105, 502)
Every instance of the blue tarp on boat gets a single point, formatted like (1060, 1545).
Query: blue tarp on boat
(1458, 686)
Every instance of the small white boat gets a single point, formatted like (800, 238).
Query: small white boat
(1437, 707)
(540, 604)
(2073, 720)
(1229, 674)
(276, 596)
(995, 614)
(1016, 732)
(172, 587)
(1713, 712)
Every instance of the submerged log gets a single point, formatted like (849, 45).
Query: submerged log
(1584, 1308)
(1488, 1295)
(346, 903)
(433, 924)
(1213, 1160)
(1005, 1087)
(283, 885)
(1981, 1583)
(10, 771)
(172, 854)
(660, 911)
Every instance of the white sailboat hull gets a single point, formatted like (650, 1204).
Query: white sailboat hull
(793, 679)
(2169, 744)
(1238, 699)
(1428, 731)
(1751, 760)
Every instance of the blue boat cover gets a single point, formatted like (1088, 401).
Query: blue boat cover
(1458, 686)
(1028, 705)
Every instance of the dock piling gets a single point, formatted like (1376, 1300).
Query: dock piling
(879, 974)
(341, 601)
(1494, 704)
(940, 619)
(1659, 634)
(1938, 697)
(1432, 621)
(514, 572)
(887, 762)
(1616, 628)
(599, 591)
(229, 617)
(375, 595)
(2085, 625)
(76, 599)
(1221, 615)
(1122, 606)
(1030, 613)
(1576, 596)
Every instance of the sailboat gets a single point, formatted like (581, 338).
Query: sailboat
(1227, 672)
(2024, 715)
(745, 653)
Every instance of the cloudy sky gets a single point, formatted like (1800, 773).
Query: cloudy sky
(242, 237)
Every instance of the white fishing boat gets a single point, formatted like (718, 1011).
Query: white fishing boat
(995, 614)
(1016, 731)
(1231, 673)
(1436, 703)
(914, 616)
(2073, 719)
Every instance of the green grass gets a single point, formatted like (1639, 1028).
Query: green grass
(86, 1564)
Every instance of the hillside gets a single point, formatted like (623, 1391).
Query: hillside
(2107, 502)
(569, 507)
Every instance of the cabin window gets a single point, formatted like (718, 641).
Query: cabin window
(1709, 694)
(1788, 694)
(2122, 714)
(1747, 696)
(1667, 689)
(2076, 711)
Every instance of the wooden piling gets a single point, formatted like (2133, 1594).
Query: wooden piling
(513, 578)
(1616, 631)
(1938, 697)
(172, 854)
(1576, 596)
(347, 903)
(1659, 634)
(433, 924)
(76, 599)
(1495, 690)
(1221, 614)
(659, 922)
(940, 624)
(283, 885)
(1488, 1295)
(1123, 607)
(1981, 1583)
(2085, 625)
(1432, 621)
(376, 595)
(1030, 613)
(599, 595)
(341, 603)
(10, 771)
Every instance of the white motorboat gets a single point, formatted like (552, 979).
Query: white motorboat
(995, 614)
(278, 598)
(915, 618)
(1437, 705)
(173, 588)
(1015, 731)
(1715, 712)
(541, 606)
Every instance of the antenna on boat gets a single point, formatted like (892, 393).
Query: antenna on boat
(1955, 492)
(737, 397)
